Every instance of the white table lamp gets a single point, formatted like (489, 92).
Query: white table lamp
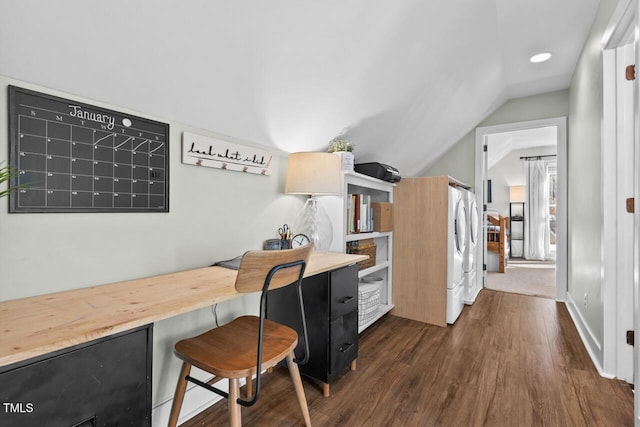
(314, 174)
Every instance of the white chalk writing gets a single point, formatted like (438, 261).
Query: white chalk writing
(77, 111)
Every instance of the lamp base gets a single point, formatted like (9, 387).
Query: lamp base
(314, 222)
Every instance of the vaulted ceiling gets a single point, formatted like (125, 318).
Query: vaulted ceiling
(501, 144)
(404, 80)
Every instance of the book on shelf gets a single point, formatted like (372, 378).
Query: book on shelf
(359, 213)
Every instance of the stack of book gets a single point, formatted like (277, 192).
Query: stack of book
(359, 213)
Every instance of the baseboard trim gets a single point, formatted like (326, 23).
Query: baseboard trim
(594, 348)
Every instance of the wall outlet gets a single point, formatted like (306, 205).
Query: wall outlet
(586, 300)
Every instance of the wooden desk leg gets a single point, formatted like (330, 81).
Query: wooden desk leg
(326, 388)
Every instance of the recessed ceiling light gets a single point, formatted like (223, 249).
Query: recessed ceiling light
(541, 57)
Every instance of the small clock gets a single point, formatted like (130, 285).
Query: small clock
(299, 240)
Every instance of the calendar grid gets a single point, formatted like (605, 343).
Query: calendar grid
(75, 157)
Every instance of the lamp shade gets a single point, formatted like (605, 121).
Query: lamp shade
(315, 174)
(516, 193)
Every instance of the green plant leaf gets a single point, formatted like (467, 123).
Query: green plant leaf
(6, 172)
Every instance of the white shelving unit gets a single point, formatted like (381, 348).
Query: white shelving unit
(380, 191)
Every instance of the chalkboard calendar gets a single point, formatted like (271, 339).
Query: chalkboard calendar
(74, 157)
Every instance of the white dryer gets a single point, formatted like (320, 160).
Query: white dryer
(456, 247)
(469, 265)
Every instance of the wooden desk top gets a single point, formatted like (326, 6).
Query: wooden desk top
(38, 325)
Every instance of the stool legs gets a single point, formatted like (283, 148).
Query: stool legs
(234, 408)
(297, 384)
(235, 418)
(249, 386)
(181, 387)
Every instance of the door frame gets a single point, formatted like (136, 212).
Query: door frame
(560, 124)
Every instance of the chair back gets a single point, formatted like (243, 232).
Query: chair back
(256, 265)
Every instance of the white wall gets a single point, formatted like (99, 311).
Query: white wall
(214, 215)
(510, 171)
(459, 161)
(585, 183)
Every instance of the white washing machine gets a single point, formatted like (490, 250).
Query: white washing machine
(456, 247)
(469, 264)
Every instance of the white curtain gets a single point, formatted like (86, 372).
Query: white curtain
(536, 218)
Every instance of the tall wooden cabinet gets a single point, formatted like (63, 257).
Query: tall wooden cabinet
(379, 191)
(420, 248)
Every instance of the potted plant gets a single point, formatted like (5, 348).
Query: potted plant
(344, 149)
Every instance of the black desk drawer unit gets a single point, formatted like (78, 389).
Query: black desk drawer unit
(331, 306)
(106, 382)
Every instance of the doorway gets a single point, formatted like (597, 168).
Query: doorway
(522, 169)
(557, 128)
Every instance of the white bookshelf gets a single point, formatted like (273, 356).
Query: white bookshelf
(380, 191)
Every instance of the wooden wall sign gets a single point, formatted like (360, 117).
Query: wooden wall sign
(202, 150)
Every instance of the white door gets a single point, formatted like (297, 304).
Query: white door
(636, 218)
(621, 180)
(485, 201)
(624, 220)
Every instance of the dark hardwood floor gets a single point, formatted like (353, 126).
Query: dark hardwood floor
(509, 360)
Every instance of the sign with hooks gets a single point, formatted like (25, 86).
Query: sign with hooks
(202, 150)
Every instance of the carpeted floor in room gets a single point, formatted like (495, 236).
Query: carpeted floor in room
(524, 277)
